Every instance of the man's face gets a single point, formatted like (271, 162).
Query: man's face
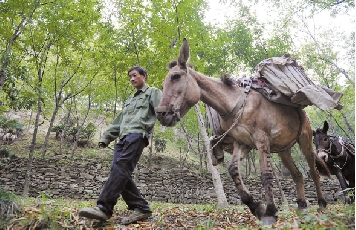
(137, 80)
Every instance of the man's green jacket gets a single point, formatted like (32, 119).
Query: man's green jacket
(137, 116)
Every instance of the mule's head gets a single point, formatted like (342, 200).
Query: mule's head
(180, 90)
(322, 142)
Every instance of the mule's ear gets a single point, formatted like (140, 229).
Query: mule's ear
(326, 127)
(184, 54)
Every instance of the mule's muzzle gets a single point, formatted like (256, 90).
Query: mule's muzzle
(164, 110)
(323, 155)
(167, 115)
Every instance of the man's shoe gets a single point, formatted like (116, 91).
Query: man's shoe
(135, 216)
(93, 213)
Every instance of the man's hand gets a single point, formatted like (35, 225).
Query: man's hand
(102, 145)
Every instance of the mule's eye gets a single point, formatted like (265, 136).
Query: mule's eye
(175, 77)
(325, 139)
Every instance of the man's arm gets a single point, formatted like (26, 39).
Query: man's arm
(111, 133)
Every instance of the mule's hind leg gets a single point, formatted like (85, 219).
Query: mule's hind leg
(297, 176)
(264, 155)
(239, 152)
(305, 144)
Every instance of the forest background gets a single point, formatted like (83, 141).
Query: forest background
(65, 62)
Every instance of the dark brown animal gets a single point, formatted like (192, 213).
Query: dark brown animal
(252, 120)
(339, 155)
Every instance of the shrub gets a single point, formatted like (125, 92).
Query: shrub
(160, 145)
(11, 126)
(8, 206)
(58, 129)
(4, 152)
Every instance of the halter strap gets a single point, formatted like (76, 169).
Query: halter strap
(238, 105)
(337, 166)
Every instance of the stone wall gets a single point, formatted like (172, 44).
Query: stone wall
(59, 177)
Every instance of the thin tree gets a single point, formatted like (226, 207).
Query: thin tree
(219, 189)
(41, 59)
(284, 200)
(60, 98)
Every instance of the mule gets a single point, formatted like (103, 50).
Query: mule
(252, 120)
(339, 155)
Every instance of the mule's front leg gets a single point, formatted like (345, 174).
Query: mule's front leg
(267, 181)
(343, 185)
(239, 152)
(305, 144)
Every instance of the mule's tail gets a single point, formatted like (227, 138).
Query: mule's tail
(322, 167)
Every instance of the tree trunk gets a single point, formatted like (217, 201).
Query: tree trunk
(219, 189)
(40, 74)
(284, 200)
(201, 153)
(347, 123)
(64, 131)
(54, 114)
(80, 127)
(254, 161)
(32, 149)
(29, 122)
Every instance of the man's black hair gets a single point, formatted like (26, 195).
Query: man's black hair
(140, 70)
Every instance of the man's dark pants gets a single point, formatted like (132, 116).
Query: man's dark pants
(127, 153)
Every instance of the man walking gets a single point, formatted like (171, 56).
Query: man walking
(133, 127)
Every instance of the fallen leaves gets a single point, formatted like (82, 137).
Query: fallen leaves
(180, 216)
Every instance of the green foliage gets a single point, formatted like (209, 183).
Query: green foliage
(334, 7)
(5, 152)
(6, 196)
(206, 224)
(57, 129)
(86, 133)
(11, 126)
(8, 207)
(89, 131)
(160, 145)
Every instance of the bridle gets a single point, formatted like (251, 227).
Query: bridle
(175, 110)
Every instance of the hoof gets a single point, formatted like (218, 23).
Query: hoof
(259, 212)
(348, 200)
(302, 209)
(321, 209)
(268, 220)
